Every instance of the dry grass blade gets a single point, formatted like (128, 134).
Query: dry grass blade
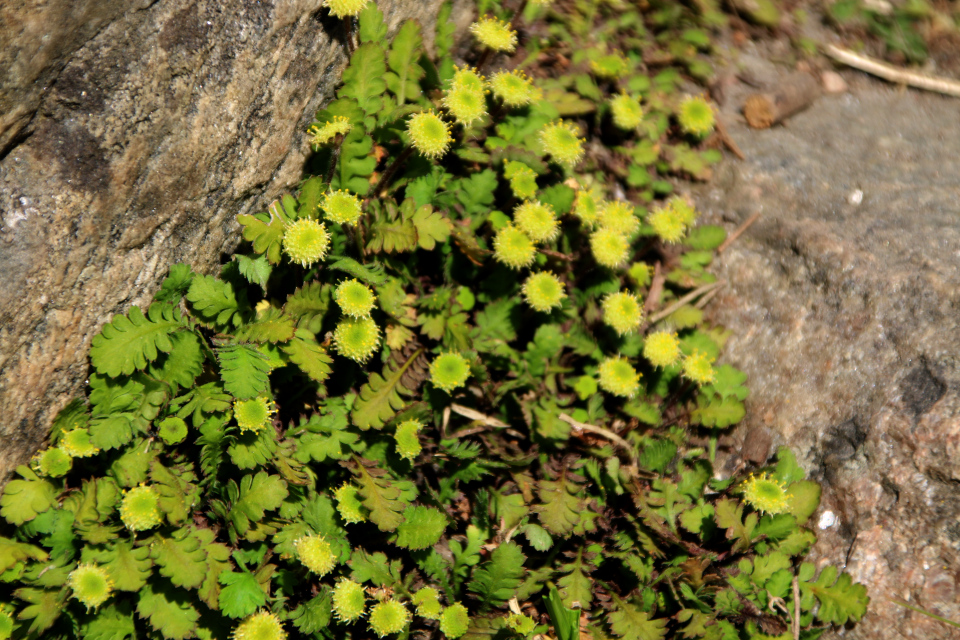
(893, 74)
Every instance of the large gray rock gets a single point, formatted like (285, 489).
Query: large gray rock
(131, 136)
(844, 302)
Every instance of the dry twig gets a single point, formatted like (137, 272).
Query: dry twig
(739, 232)
(699, 291)
(893, 74)
(600, 431)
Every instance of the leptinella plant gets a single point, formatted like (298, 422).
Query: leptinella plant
(435, 394)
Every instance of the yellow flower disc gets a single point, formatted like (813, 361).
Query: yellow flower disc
(588, 205)
(449, 371)
(695, 116)
(619, 216)
(514, 88)
(494, 34)
(322, 134)
(698, 367)
(427, 600)
(618, 377)
(513, 247)
(622, 311)
(262, 625)
(662, 349)
(543, 291)
(429, 134)
(341, 207)
(408, 439)
(91, 585)
(610, 249)
(388, 617)
(140, 508)
(626, 112)
(464, 104)
(684, 210)
(349, 600)
(76, 443)
(306, 241)
(537, 220)
(344, 8)
(255, 414)
(765, 493)
(560, 140)
(355, 298)
(454, 621)
(54, 462)
(316, 554)
(523, 179)
(468, 78)
(357, 338)
(668, 226)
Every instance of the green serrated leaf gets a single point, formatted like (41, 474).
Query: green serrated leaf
(372, 27)
(23, 499)
(270, 325)
(244, 371)
(175, 285)
(168, 610)
(128, 343)
(256, 494)
(382, 498)
(840, 601)
(241, 594)
(803, 499)
(304, 351)
(380, 399)
(372, 274)
(496, 580)
(214, 302)
(256, 270)
(265, 231)
(630, 622)
(113, 621)
(314, 614)
(363, 78)
(421, 527)
(716, 412)
(406, 73)
(431, 227)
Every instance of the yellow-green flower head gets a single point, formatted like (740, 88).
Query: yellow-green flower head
(429, 134)
(408, 439)
(524, 625)
(355, 298)
(306, 241)
(53, 462)
(341, 207)
(76, 443)
(618, 377)
(140, 508)
(667, 224)
(466, 105)
(543, 291)
(765, 493)
(449, 371)
(560, 140)
(357, 338)
(610, 66)
(626, 112)
(513, 247)
(537, 220)
(641, 273)
(684, 210)
(91, 585)
(514, 88)
(321, 135)
(695, 116)
(662, 349)
(698, 367)
(622, 311)
(619, 216)
(344, 8)
(388, 617)
(494, 34)
(588, 205)
(262, 625)
(255, 414)
(348, 503)
(454, 621)
(172, 430)
(316, 554)
(427, 600)
(610, 249)
(468, 78)
(523, 179)
(349, 600)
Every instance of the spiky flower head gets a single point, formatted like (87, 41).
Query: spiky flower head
(537, 220)
(322, 134)
(76, 443)
(513, 247)
(667, 224)
(622, 311)
(684, 210)
(388, 617)
(254, 414)
(316, 554)
(698, 367)
(610, 248)
(341, 207)
(523, 625)
(494, 34)
(765, 493)
(357, 338)
(429, 134)
(355, 298)
(467, 78)
(662, 349)
(427, 600)
(306, 241)
(523, 179)
(345, 8)
(53, 462)
(349, 600)
(588, 205)
(464, 104)
(611, 66)
(695, 116)
(560, 140)
(408, 439)
(348, 503)
(262, 625)
(618, 377)
(543, 291)
(91, 585)
(514, 88)
(454, 621)
(626, 112)
(173, 430)
(641, 273)
(619, 216)
(140, 508)
(449, 371)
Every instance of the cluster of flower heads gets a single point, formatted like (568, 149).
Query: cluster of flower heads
(357, 335)
(57, 461)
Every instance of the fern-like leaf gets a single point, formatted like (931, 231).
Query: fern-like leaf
(384, 499)
(380, 398)
(270, 326)
(214, 302)
(363, 78)
(498, 578)
(840, 599)
(244, 371)
(630, 622)
(421, 527)
(405, 73)
(180, 557)
(265, 231)
(304, 351)
(130, 342)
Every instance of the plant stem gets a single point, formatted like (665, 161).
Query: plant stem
(334, 159)
(392, 169)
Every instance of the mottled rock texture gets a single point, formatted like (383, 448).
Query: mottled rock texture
(844, 301)
(131, 136)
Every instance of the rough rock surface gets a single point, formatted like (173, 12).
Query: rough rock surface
(131, 135)
(844, 301)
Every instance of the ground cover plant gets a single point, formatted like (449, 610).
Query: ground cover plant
(455, 387)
